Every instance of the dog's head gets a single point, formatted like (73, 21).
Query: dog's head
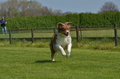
(64, 28)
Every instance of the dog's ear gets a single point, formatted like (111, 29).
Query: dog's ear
(60, 24)
(68, 23)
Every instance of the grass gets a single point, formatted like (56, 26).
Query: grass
(102, 44)
(34, 63)
(98, 33)
(26, 60)
(27, 35)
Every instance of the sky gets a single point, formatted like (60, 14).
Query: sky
(79, 6)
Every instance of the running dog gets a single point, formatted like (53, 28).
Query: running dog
(61, 40)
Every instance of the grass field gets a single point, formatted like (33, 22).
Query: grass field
(90, 59)
(34, 63)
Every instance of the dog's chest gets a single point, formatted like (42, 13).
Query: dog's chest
(63, 41)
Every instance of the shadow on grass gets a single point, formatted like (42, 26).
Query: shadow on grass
(46, 61)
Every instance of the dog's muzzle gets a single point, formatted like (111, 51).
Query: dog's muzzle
(66, 34)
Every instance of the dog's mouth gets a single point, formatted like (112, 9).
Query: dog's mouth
(66, 34)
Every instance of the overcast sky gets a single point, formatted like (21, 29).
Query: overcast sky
(76, 5)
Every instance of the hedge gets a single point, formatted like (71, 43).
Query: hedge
(83, 19)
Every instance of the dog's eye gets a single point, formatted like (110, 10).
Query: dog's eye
(63, 29)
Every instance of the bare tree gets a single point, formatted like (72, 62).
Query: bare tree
(14, 8)
(59, 12)
(108, 7)
(30, 8)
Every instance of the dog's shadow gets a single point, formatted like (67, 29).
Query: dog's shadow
(45, 61)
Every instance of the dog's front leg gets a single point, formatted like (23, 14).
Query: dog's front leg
(68, 50)
(59, 48)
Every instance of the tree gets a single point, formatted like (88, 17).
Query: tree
(109, 7)
(15, 8)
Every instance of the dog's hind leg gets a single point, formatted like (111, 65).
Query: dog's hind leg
(52, 56)
(52, 52)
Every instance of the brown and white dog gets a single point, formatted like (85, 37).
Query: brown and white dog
(61, 40)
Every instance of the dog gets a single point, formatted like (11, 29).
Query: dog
(61, 40)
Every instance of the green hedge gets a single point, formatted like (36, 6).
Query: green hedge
(84, 19)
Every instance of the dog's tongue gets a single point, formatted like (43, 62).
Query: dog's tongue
(66, 33)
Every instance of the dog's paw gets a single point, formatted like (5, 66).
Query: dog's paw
(64, 54)
(68, 55)
(53, 59)
(56, 54)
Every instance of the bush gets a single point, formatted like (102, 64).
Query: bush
(84, 19)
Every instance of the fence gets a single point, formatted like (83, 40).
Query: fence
(77, 33)
(114, 35)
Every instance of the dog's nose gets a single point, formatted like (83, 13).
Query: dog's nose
(67, 33)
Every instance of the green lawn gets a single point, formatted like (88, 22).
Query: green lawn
(34, 63)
